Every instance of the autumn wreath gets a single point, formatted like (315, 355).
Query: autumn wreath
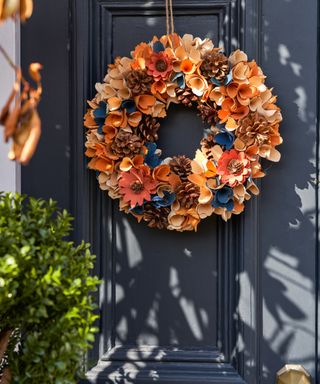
(123, 124)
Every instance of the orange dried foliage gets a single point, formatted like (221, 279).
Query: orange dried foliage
(20, 117)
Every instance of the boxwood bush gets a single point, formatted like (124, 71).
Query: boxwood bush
(46, 287)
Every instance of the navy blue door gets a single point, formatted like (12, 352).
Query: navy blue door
(233, 302)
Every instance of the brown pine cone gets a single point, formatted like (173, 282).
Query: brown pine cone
(156, 217)
(208, 113)
(186, 97)
(188, 194)
(139, 82)
(181, 166)
(215, 64)
(126, 144)
(206, 145)
(148, 128)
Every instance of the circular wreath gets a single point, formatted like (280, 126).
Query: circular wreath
(123, 122)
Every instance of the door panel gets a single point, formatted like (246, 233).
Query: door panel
(160, 280)
(169, 297)
(233, 302)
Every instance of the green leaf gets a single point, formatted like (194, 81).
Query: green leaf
(46, 291)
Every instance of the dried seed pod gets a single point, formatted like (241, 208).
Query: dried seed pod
(148, 128)
(186, 97)
(126, 144)
(181, 166)
(188, 194)
(139, 82)
(208, 113)
(156, 217)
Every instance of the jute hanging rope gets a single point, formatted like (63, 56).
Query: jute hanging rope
(169, 17)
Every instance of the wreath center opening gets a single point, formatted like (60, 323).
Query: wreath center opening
(180, 131)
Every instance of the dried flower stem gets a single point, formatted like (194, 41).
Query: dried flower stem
(12, 65)
(8, 58)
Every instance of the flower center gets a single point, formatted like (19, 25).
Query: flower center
(261, 138)
(137, 187)
(161, 65)
(235, 166)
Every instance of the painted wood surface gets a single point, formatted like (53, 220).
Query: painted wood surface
(234, 302)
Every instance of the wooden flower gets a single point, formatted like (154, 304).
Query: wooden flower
(109, 182)
(136, 186)
(159, 66)
(258, 136)
(187, 66)
(145, 103)
(183, 219)
(233, 167)
(197, 83)
(231, 111)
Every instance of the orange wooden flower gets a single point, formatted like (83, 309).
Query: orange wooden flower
(117, 119)
(100, 160)
(184, 219)
(233, 167)
(89, 121)
(159, 66)
(197, 83)
(136, 186)
(145, 103)
(142, 50)
(187, 66)
(231, 111)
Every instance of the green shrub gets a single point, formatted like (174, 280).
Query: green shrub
(45, 292)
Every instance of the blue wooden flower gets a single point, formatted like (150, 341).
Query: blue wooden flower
(225, 138)
(129, 105)
(158, 46)
(100, 115)
(223, 198)
(138, 209)
(226, 81)
(152, 159)
(180, 80)
(165, 201)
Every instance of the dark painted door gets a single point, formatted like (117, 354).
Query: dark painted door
(233, 302)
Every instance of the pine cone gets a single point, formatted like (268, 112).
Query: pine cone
(188, 194)
(148, 128)
(215, 64)
(139, 82)
(181, 166)
(206, 145)
(186, 97)
(208, 114)
(126, 144)
(156, 217)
